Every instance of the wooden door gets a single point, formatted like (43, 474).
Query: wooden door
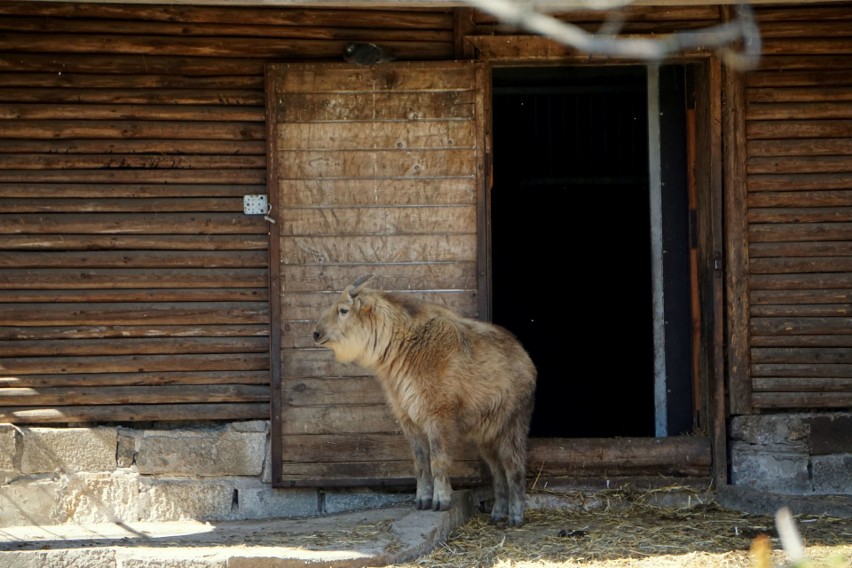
(372, 170)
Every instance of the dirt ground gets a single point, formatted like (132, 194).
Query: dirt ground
(623, 531)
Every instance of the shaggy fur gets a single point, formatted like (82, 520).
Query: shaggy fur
(445, 377)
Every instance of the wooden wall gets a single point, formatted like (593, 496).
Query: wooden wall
(132, 286)
(798, 137)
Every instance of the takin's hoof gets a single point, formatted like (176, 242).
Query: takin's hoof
(424, 504)
(441, 505)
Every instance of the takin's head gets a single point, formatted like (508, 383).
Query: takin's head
(342, 328)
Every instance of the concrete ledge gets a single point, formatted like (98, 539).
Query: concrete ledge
(376, 537)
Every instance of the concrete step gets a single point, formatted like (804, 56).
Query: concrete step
(376, 537)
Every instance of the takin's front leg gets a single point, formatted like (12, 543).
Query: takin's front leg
(440, 449)
(422, 467)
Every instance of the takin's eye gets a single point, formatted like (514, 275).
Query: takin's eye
(343, 311)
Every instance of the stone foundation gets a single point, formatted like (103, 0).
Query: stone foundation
(793, 454)
(119, 474)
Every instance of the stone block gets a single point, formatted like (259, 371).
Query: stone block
(68, 450)
(30, 503)
(831, 434)
(260, 501)
(775, 471)
(180, 499)
(126, 451)
(68, 558)
(219, 452)
(8, 448)
(342, 501)
(770, 430)
(250, 426)
(832, 475)
(100, 498)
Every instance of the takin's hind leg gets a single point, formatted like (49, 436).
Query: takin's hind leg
(513, 458)
(500, 509)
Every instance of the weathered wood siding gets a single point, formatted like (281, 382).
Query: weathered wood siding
(798, 135)
(132, 286)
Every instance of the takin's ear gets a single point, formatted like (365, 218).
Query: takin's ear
(359, 284)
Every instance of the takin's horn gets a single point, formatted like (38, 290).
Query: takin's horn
(356, 286)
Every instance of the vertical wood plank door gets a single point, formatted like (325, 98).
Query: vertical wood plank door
(372, 170)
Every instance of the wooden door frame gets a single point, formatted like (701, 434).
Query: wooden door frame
(691, 456)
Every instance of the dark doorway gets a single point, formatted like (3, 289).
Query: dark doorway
(571, 245)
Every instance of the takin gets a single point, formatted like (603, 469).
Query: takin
(445, 377)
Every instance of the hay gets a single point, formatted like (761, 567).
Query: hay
(618, 529)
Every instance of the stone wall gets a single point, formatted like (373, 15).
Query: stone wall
(793, 454)
(118, 474)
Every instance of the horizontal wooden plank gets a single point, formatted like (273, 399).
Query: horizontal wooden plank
(134, 259)
(799, 214)
(398, 473)
(96, 379)
(436, 76)
(245, 15)
(408, 135)
(134, 70)
(245, 176)
(204, 329)
(619, 456)
(770, 400)
(133, 346)
(800, 198)
(310, 305)
(807, 46)
(799, 111)
(90, 194)
(796, 182)
(827, 355)
(801, 384)
(809, 249)
(87, 278)
(107, 395)
(795, 129)
(799, 265)
(817, 370)
(177, 112)
(348, 419)
(378, 249)
(134, 242)
(798, 310)
(377, 192)
(378, 164)
(405, 276)
(818, 296)
(557, 457)
(796, 95)
(794, 77)
(838, 280)
(833, 340)
(253, 148)
(135, 295)
(799, 164)
(801, 325)
(802, 231)
(310, 392)
(130, 129)
(135, 413)
(402, 106)
(121, 205)
(135, 314)
(121, 223)
(128, 161)
(336, 221)
(134, 363)
(33, 90)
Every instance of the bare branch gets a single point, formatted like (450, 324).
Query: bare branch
(742, 30)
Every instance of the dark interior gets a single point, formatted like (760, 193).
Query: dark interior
(571, 260)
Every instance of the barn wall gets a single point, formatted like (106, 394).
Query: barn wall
(798, 167)
(132, 286)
